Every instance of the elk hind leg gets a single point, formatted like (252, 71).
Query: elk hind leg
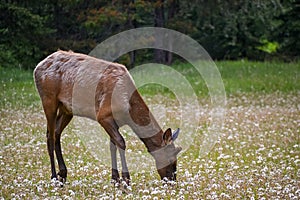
(62, 121)
(50, 109)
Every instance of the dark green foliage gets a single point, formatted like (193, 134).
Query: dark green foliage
(231, 29)
(22, 36)
(236, 29)
(288, 31)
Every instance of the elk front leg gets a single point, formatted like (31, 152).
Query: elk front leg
(125, 172)
(117, 141)
(112, 129)
(114, 166)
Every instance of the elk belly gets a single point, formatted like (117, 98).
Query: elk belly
(84, 90)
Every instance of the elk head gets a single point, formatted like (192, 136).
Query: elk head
(166, 157)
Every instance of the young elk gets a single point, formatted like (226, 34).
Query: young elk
(75, 84)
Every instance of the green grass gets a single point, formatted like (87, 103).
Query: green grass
(17, 88)
(256, 157)
(245, 76)
(238, 77)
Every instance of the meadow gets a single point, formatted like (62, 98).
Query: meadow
(256, 157)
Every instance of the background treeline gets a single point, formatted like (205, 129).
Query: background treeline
(227, 29)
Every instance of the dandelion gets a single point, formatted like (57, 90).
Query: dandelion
(71, 192)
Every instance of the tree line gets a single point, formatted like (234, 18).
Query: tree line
(229, 29)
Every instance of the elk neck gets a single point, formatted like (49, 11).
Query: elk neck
(144, 124)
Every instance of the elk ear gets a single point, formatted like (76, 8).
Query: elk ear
(167, 137)
(175, 134)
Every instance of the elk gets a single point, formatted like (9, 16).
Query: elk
(76, 84)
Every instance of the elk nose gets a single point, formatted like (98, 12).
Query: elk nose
(174, 176)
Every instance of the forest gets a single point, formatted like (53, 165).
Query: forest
(228, 30)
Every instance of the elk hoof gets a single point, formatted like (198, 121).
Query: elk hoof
(55, 182)
(61, 179)
(125, 182)
(126, 178)
(115, 183)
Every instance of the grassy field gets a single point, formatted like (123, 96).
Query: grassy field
(257, 156)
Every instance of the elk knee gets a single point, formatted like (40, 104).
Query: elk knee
(121, 143)
(111, 128)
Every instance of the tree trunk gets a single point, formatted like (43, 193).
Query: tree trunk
(159, 21)
(132, 24)
(172, 9)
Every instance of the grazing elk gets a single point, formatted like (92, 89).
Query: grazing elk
(76, 84)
